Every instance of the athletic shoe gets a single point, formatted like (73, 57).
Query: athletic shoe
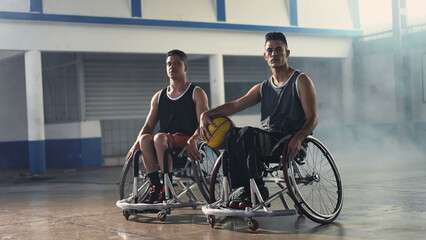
(236, 202)
(264, 192)
(153, 195)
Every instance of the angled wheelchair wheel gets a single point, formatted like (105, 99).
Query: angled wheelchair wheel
(315, 185)
(203, 169)
(127, 180)
(216, 181)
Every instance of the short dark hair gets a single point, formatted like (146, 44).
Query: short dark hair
(276, 36)
(178, 53)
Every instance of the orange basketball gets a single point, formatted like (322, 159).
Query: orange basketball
(217, 134)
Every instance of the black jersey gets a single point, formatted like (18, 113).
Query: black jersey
(281, 108)
(179, 114)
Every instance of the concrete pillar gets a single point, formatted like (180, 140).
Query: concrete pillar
(404, 109)
(348, 87)
(217, 80)
(35, 112)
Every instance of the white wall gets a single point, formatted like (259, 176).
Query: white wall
(74, 130)
(15, 5)
(270, 12)
(188, 10)
(140, 39)
(13, 114)
(334, 14)
(104, 8)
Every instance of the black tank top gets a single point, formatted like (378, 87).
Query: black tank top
(281, 108)
(178, 115)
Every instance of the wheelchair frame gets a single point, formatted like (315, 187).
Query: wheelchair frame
(301, 176)
(132, 204)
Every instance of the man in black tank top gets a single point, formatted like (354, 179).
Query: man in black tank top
(177, 108)
(288, 106)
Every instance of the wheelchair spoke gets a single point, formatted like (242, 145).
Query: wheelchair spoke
(315, 185)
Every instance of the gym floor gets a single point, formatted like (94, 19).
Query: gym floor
(382, 200)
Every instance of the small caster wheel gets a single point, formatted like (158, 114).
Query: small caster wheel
(162, 215)
(253, 225)
(126, 215)
(211, 220)
(194, 207)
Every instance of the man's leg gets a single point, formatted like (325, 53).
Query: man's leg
(151, 165)
(241, 147)
(249, 144)
(237, 171)
(161, 145)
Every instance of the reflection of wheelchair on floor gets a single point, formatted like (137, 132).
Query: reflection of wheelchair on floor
(311, 181)
(135, 186)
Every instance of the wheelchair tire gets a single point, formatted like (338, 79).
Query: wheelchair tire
(126, 181)
(216, 181)
(202, 170)
(216, 184)
(315, 186)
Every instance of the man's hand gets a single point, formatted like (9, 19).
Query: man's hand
(191, 149)
(294, 146)
(205, 120)
(132, 151)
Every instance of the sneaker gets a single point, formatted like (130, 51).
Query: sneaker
(236, 202)
(153, 195)
(162, 195)
(264, 192)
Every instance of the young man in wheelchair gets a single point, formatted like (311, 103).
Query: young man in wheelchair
(177, 108)
(288, 106)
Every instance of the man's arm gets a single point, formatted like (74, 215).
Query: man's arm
(251, 98)
(308, 97)
(149, 126)
(201, 105)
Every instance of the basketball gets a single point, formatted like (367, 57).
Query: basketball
(218, 133)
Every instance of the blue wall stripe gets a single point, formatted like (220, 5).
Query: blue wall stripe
(220, 10)
(294, 19)
(36, 6)
(169, 23)
(136, 8)
(76, 153)
(37, 156)
(14, 155)
(85, 152)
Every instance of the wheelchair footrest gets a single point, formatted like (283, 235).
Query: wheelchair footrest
(248, 212)
(155, 206)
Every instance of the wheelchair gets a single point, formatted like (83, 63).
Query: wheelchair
(311, 181)
(190, 187)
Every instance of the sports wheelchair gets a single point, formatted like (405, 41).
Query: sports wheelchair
(134, 184)
(311, 181)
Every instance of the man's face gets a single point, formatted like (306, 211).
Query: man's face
(175, 66)
(276, 54)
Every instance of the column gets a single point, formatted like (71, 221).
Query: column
(348, 88)
(403, 97)
(35, 112)
(217, 82)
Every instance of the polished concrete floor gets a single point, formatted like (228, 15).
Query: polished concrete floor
(384, 198)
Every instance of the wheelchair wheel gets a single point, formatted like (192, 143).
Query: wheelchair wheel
(203, 169)
(216, 184)
(126, 181)
(216, 181)
(315, 185)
